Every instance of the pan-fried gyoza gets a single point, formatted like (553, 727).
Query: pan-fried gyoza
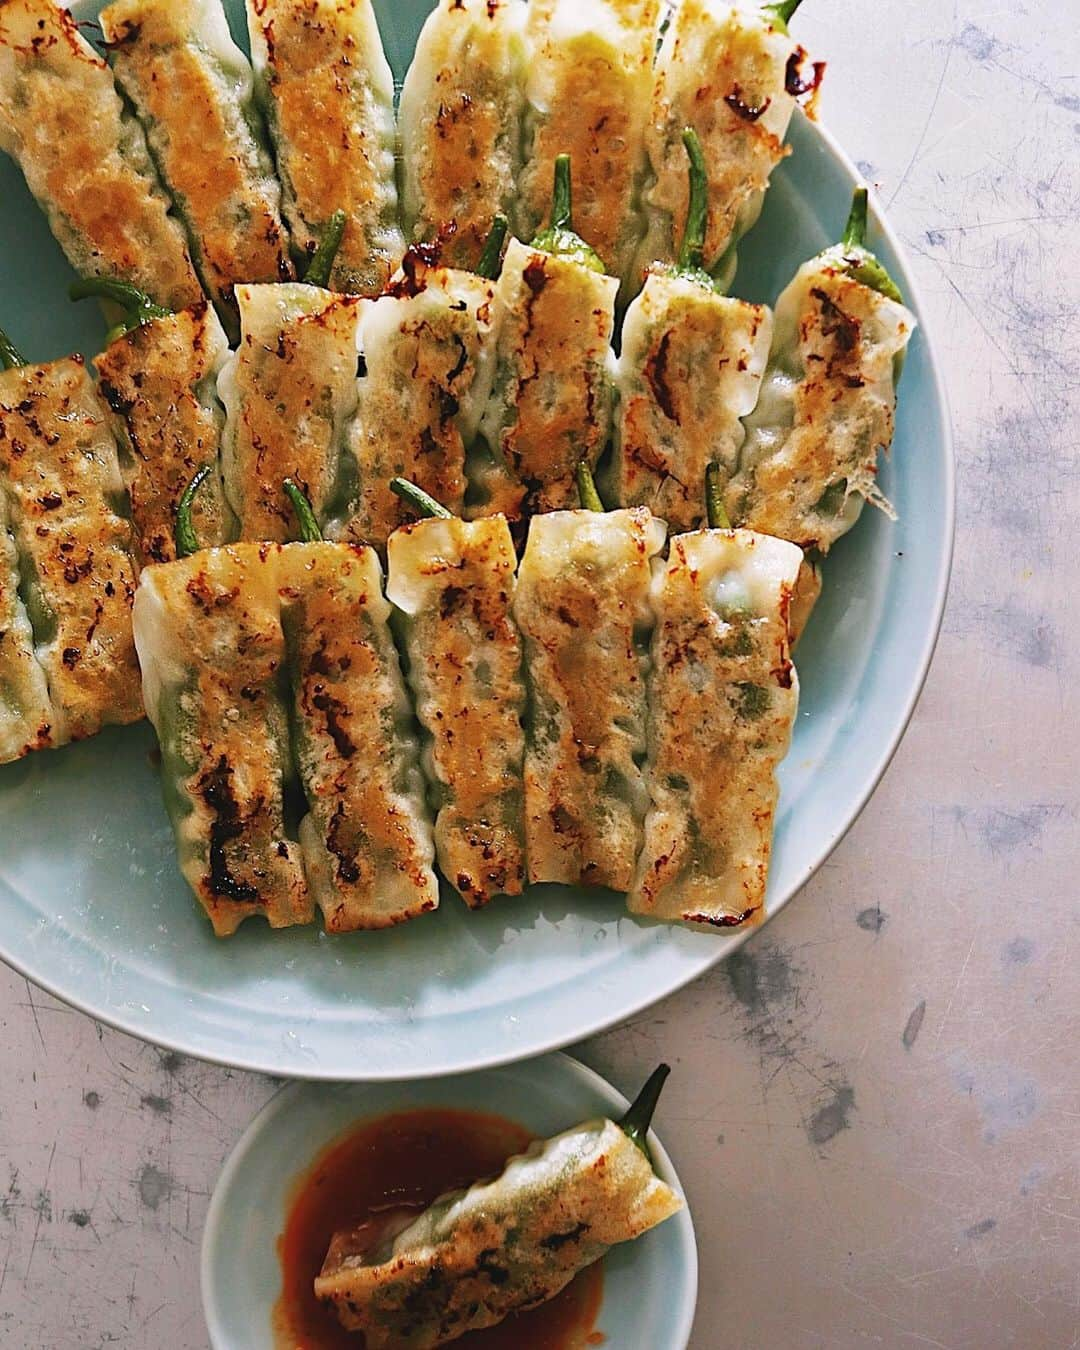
(582, 604)
(327, 92)
(461, 115)
(366, 838)
(290, 392)
(734, 74)
(212, 651)
(827, 408)
(475, 1256)
(426, 360)
(159, 380)
(550, 407)
(194, 92)
(723, 695)
(69, 567)
(84, 158)
(452, 582)
(690, 367)
(589, 81)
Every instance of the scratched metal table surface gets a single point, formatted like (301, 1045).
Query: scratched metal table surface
(876, 1109)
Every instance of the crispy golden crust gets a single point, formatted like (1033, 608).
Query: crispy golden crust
(367, 844)
(454, 582)
(722, 71)
(205, 149)
(473, 1257)
(461, 111)
(330, 114)
(213, 653)
(158, 382)
(690, 368)
(62, 120)
(25, 711)
(552, 403)
(582, 605)
(722, 702)
(807, 481)
(289, 391)
(591, 89)
(421, 346)
(59, 468)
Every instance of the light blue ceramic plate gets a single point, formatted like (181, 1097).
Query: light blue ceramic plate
(650, 1286)
(93, 908)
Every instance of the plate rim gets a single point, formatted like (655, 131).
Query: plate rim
(282, 1099)
(265, 1062)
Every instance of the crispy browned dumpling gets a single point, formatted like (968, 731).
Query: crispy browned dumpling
(84, 158)
(159, 382)
(453, 583)
(474, 1257)
(589, 81)
(213, 659)
(425, 348)
(367, 839)
(290, 392)
(461, 115)
(327, 91)
(194, 92)
(582, 604)
(551, 401)
(827, 408)
(723, 695)
(61, 478)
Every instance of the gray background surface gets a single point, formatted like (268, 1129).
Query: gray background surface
(876, 1109)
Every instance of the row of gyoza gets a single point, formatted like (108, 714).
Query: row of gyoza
(235, 171)
(267, 666)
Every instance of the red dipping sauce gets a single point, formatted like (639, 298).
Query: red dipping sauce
(408, 1160)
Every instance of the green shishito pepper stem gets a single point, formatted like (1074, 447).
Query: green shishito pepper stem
(310, 533)
(692, 252)
(419, 500)
(586, 486)
(10, 356)
(635, 1124)
(138, 308)
(322, 260)
(858, 261)
(782, 12)
(714, 499)
(491, 257)
(560, 239)
(187, 541)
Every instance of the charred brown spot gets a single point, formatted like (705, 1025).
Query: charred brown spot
(348, 869)
(451, 600)
(334, 711)
(797, 83)
(835, 324)
(535, 275)
(722, 920)
(556, 1241)
(415, 265)
(49, 501)
(656, 372)
(71, 657)
(215, 788)
(749, 112)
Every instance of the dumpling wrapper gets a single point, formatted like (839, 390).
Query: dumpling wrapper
(85, 157)
(61, 477)
(723, 696)
(475, 1256)
(453, 584)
